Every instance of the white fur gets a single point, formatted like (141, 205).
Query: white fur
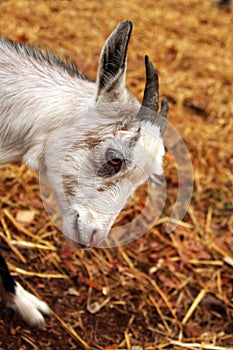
(29, 307)
(151, 141)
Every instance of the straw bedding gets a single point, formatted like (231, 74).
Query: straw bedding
(164, 291)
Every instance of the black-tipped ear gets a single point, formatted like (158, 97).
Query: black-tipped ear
(112, 65)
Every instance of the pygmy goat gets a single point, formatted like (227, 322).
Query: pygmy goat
(95, 142)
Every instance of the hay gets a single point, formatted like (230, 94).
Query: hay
(164, 290)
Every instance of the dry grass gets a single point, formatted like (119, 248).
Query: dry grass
(163, 291)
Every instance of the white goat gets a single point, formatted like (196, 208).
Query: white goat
(95, 142)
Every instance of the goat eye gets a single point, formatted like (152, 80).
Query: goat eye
(115, 162)
(113, 159)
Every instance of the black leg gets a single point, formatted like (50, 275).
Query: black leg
(8, 282)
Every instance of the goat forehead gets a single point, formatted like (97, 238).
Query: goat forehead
(110, 133)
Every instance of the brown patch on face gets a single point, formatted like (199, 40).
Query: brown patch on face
(69, 185)
(89, 140)
(100, 189)
(93, 138)
(7, 297)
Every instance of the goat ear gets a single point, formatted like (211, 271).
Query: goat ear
(112, 65)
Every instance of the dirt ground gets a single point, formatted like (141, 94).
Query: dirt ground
(164, 291)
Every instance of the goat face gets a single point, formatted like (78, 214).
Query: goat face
(118, 145)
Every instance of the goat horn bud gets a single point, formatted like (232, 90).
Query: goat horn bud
(150, 102)
(151, 92)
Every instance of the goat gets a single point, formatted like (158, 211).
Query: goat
(95, 142)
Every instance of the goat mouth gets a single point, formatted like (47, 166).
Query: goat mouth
(78, 245)
(81, 246)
